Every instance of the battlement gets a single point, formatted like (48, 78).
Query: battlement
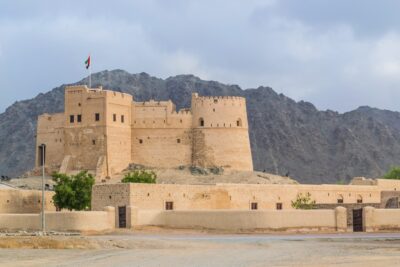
(196, 97)
(99, 91)
(153, 103)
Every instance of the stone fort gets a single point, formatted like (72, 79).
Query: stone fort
(104, 131)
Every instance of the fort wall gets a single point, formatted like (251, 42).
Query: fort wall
(287, 220)
(24, 201)
(228, 196)
(50, 131)
(221, 140)
(62, 221)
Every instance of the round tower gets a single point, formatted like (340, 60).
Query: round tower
(220, 132)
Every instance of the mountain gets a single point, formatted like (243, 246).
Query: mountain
(287, 137)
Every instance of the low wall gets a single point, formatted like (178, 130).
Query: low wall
(283, 220)
(61, 221)
(381, 219)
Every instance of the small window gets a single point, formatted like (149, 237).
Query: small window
(122, 118)
(97, 116)
(278, 206)
(254, 205)
(213, 109)
(140, 141)
(178, 141)
(215, 101)
(169, 205)
(79, 118)
(71, 118)
(79, 104)
(114, 117)
(201, 122)
(93, 142)
(359, 199)
(340, 200)
(239, 123)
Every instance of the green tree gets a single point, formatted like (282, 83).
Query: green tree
(140, 176)
(303, 202)
(73, 192)
(393, 173)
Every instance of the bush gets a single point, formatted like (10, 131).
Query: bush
(140, 176)
(393, 173)
(303, 202)
(73, 192)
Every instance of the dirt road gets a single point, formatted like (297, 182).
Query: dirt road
(185, 249)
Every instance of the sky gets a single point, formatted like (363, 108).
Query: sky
(338, 55)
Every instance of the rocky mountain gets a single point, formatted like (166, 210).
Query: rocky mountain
(287, 137)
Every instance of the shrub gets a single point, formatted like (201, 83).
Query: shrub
(140, 176)
(393, 173)
(303, 202)
(73, 192)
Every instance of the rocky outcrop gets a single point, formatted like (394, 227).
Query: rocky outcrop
(287, 137)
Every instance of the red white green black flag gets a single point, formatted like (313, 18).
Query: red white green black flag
(87, 62)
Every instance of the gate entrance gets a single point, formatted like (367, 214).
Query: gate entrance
(357, 220)
(122, 217)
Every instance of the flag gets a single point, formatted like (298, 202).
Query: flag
(87, 62)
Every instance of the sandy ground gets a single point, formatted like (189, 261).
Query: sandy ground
(199, 249)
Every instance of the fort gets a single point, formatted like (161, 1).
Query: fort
(104, 131)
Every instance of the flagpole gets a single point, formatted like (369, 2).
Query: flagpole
(90, 76)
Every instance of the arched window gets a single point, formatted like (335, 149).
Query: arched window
(359, 199)
(239, 122)
(201, 122)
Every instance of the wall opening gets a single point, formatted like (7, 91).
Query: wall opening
(357, 220)
(359, 199)
(114, 117)
(201, 122)
(122, 118)
(239, 122)
(169, 205)
(97, 117)
(71, 118)
(278, 206)
(340, 199)
(178, 141)
(79, 118)
(122, 217)
(254, 206)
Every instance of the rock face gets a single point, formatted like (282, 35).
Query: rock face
(287, 137)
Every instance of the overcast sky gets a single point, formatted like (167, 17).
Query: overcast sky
(337, 54)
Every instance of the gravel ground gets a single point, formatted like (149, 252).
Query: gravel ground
(200, 249)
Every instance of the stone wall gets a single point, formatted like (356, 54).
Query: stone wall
(24, 201)
(375, 220)
(61, 221)
(285, 220)
(228, 196)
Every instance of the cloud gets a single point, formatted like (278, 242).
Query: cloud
(332, 53)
